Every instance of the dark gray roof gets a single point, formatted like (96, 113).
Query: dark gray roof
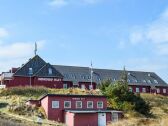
(39, 68)
(44, 72)
(82, 74)
(35, 63)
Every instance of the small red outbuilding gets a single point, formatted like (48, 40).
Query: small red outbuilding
(79, 110)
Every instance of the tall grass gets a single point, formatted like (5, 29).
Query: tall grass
(39, 91)
(159, 109)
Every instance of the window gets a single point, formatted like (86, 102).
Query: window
(137, 90)
(30, 71)
(90, 104)
(149, 74)
(158, 90)
(99, 104)
(155, 81)
(144, 81)
(130, 89)
(67, 104)
(164, 91)
(55, 104)
(128, 81)
(144, 90)
(149, 81)
(78, 104)
(90, 87)
(136, 81)
(89, 77)
(83, 86)
(49, 71)
(114, 116)
(65, 86)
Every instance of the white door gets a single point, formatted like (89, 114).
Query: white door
(101, 119)
(69, 120)
(114, 116)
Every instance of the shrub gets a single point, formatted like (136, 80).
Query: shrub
(120, 98)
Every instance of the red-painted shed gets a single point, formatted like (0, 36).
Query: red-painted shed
(75, 110)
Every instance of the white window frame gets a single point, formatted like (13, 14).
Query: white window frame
(77, 104)
(90, 86)
(149, 81)
(137, 90)
(144, 81)
(155, 81)
(88, 104)
(164, 90)
(144, 90)
(50, 71)
(67, 102)
(130, 89)
(158, 90)
(30, 71)
(98, 104)
(54, 104)
(65, 86)
(83, 87)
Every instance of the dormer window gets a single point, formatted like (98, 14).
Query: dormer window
(149, 81)
(144, 81)
(128, 80)
(30, 71)
(155, 81)
(136, 81)
(49, 71)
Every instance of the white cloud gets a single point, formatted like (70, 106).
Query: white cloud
(121, 44)
(13, 55)
(91, 1)
(136, 37)
(62, 3)
(3, 32)
(155, 32)
(58, 3)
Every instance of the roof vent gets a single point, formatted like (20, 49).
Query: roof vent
(129, 73)
(29, 59)
(22, 64)
(149, 74)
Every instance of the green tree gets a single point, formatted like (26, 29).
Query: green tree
(120, 98)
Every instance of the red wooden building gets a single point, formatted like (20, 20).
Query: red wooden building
(78, 110)
(36, 72)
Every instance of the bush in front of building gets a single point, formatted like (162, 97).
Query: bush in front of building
(120, 98)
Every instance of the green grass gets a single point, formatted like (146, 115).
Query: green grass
(12, 104)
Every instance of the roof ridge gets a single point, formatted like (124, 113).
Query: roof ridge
(105, 69)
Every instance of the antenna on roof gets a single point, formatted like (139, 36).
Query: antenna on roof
(91, 73)
(35, 50)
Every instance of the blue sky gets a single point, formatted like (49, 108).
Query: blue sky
(111, 33)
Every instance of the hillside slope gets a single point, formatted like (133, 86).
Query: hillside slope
(159, 110)
(17, 97)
